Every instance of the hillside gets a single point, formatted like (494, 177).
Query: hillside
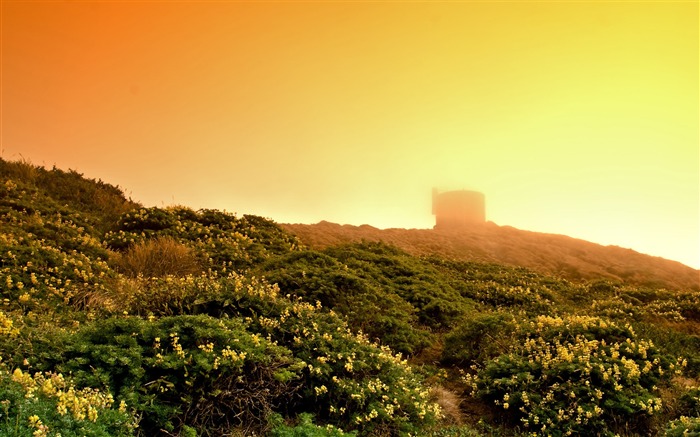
(559, 255)
(123, 320)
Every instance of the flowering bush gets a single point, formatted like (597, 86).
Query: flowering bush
(50, 257)
(575, 374)
(690, 402)
(436, 303)
(349, 381)
(48, 404)
(370, 307)
(305, 428)
(504, 287)
(223, 240)
(345, 379)
(685, 426)
(280, 354)
(211, 374)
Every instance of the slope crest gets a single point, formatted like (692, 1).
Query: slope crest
(571, 258)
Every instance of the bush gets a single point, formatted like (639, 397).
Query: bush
(369, 307)
(502, 287)
(576, 375)
(685, 426)
(308, 361)
(199, 371)
(437, 304)
(689, 402)
(224, 241)
(100, 203)
(160, 256)
(305, 428)
(43, 404)
(348, 381)
(49, 256)
(478, 339)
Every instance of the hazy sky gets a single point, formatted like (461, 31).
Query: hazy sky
(578, 118)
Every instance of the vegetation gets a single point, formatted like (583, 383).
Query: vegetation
(122, 320)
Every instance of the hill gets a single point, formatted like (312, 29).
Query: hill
(559, 255)
(122, 320)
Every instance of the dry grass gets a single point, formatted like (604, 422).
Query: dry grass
(158, 257)
(450, 404)
(671, 400)
(113, 298)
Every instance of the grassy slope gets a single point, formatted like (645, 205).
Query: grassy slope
(560, 255)
(77, 247)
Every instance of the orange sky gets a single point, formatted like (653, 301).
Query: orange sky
(579, 118)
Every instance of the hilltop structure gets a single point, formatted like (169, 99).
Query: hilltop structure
(458, 209)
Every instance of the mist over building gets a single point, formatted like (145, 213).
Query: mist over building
(458, 209)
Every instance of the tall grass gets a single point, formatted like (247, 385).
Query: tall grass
(160, 256)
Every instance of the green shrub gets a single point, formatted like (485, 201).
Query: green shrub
(689, 402)
(369, 307)
(674, 342)
(304, 428)
(100, 203)
(576, 375)
(346, 380)
(211, 374)
(437, 304)
(225, 241)
(43, 404)
(683, 427)
(509, 288)
(318, 365)
(478, 339)
(50, 259)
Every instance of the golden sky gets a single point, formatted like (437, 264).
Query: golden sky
(578, 118)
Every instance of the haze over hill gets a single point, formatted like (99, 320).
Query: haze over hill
(568, 257)
(576, 118)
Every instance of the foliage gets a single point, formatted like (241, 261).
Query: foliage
(100, 203)
(437, 304)
(690, 402)
(347, 380)
(206, 323)
(223, 240)
(504, 287)
(305, 428)
(651, 305)
(49, 257)
(684, 426)
(369, 307)
(43, 404)
(478, 339)
(322, 367)
(576, 375)
(211, 374)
